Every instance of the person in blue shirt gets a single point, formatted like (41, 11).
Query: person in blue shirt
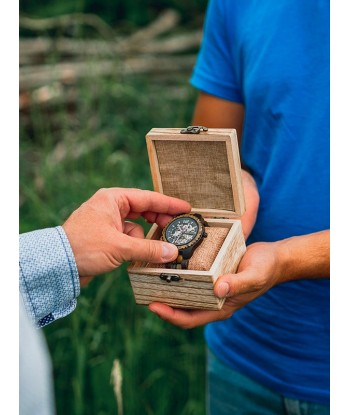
(55, 262)
(263, 69)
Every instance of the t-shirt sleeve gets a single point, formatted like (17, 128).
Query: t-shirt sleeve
(48, 275)
(215, 70)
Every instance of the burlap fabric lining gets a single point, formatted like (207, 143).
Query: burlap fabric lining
(197, 172)
(206, 252)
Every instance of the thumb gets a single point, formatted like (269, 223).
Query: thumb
(234, 284)
(137, 249)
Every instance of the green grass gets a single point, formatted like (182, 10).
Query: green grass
(66, 154)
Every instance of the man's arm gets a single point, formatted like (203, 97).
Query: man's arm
(96, 238)
(48, 276)
(264, 265)
(213, 112)
(304, 256)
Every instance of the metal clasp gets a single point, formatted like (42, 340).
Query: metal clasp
(193, 129)
(169, 277)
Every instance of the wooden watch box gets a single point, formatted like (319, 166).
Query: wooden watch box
(204, 169)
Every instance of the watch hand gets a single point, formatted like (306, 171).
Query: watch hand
(179, 236)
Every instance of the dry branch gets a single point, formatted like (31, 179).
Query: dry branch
(174, 44)
(31, 50)
(140, 53)
(67, 20)
(164, 23)
(35, 76)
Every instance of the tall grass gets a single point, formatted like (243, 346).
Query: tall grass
(66, 154)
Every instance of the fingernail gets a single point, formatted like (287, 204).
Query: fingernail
(223, 289)
(169, 251)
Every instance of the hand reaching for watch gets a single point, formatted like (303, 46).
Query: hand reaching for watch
(102, 238)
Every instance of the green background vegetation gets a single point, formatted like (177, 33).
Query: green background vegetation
(67, 152)
(120, 14)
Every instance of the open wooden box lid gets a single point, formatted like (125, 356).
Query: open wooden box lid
(203, 169)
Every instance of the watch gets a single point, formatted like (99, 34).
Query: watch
(186, 231)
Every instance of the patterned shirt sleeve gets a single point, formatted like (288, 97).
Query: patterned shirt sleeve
(48, 275)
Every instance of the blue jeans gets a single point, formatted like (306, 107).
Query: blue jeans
(230, 393)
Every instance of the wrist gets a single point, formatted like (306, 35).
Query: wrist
(284, 260)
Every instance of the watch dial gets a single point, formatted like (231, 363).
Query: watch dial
(182, 231)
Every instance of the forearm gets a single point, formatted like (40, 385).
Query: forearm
(306, 256)
(214, 112)
(252, 200)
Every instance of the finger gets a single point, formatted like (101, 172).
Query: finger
(133, 229)
(135, 249)
(136, 200)
(235, 284)
(161, 219)
(186, 319)
(150, 217)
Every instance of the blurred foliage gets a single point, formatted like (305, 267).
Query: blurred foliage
(126, 15)
(69, 149)
(67, 152)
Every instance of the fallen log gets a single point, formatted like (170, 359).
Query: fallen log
(32, 50)
(36, 76)
(66, 20)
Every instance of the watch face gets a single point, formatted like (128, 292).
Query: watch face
(182, 231)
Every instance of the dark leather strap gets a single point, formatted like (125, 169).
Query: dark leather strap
(180, 263)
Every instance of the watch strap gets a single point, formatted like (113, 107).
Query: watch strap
(179, 263)
(200, 217)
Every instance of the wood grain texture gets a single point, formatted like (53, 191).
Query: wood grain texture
(236, 174)
(180, 304)
(188, 295)
(231, 252)
(154, 166)
(146, 282)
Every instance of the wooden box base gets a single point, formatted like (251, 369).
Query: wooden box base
(188, 288)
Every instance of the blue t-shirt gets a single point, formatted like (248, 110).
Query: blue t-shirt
(273, 57)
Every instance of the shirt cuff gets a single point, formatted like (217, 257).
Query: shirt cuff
(49, 278)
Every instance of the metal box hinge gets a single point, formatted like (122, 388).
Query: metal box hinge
(193, 129)
(170, 277)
